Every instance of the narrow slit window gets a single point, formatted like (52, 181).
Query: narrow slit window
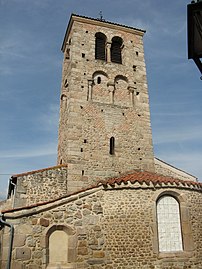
(99, 80)
(112, 146)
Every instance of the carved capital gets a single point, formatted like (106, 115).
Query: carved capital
(131, 89)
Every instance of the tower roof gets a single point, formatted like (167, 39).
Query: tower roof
(99, 22)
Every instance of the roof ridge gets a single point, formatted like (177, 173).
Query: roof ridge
(146, 177)
(39, 170)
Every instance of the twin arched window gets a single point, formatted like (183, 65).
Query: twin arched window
(169, 224)
(115, 50)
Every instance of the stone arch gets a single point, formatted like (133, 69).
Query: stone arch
(121, 94)
(99, 87)
(59, 248)
(63, 97)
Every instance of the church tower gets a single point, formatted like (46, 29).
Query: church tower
(104, 113)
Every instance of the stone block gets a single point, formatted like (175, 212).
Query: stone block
(71, 254)
(96, 261)
(19, 240)
(82, 243)
(6, 240)
(4, 255)
(83, 251)
(43, 241)
(98, 254)
(72, 241)
(34, 221)
(24, 229)
(23, 254)
(33, 266)
(31, 242)
(44, 222)
(3, 265)
(17, 265)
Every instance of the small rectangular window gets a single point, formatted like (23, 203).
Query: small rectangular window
(112, 146)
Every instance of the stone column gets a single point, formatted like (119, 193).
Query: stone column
(90, 89)
(108, 46)
(131, 90)
(111, 89)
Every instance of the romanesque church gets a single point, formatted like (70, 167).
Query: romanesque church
(108, 203)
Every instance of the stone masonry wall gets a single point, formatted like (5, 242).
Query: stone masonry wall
(40, 186)
(92, 112)
(107, 229)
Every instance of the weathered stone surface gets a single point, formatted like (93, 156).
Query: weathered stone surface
(31, 242)
(100, 228)
(19, 240)
(23, 253)
(82, 251)
(17, 265)
(33, 266)
(118, 96)
(98, 254)
(44, 222)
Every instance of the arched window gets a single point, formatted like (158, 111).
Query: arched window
(116, 49)
(100, 43)
(98, 92)
(58, 248)
(169, 224)
(112, 146)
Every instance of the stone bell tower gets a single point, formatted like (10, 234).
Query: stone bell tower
(104, 113)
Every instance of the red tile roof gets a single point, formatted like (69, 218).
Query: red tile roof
(148, 178)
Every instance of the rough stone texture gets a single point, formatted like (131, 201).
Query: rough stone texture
(121, 234)
(39, 186)
(91, 113)
(5, 204)
(107, 226)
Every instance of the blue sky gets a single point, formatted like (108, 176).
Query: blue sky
(31, 36)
